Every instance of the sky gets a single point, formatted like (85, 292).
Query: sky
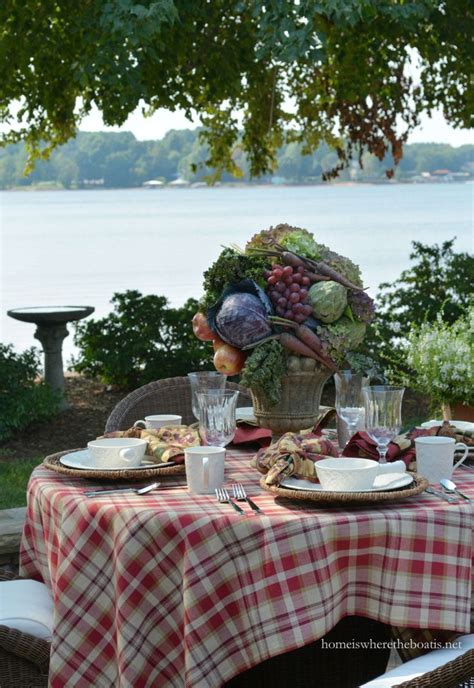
(431, 130)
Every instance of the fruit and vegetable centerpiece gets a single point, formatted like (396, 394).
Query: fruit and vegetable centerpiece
(285, 313)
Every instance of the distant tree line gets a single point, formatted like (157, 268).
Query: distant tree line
(114, 160)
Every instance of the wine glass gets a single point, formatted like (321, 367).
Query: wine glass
(349, 403)
(383, 415)
(205, 381)
(217, 422)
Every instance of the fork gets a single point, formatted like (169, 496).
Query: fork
(240, 495)
(224, 498)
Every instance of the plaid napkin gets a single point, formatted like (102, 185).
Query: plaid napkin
(164, 444)
(294, 455)
(248, 431)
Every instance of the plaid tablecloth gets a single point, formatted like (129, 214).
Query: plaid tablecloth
(174, 590)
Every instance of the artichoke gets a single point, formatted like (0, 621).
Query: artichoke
(328, 300)
(362, 306)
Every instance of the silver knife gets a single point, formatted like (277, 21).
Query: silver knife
(122, 490)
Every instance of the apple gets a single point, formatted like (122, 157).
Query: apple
(229, 360)
(201, 328)
(217, 342)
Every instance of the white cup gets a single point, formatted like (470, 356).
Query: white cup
(204, 469)
(158, 421)
(119, 452)
(351, 475)
(435, 456)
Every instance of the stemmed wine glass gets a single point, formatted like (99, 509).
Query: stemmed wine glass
(349, 402)
(383, 415)
(205, 381)
(217, 422)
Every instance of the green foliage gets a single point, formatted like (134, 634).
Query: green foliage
(264, 369)
(23, 399)
(439, 282)
(119, 160)
(142, 340)
(343, 64)
(231, 266)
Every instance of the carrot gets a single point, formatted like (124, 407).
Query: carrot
(325, 269)
(290, 258)
(295, 345)
(306, 335)
(316, 278)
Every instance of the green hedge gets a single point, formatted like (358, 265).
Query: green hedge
(141, 340)
(23, 398)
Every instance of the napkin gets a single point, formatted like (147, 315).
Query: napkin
(164, 444)
(250, 432)
(401, 447)
(247, 433)
(294, 455)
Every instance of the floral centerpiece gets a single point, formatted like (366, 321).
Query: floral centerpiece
(441, 357)
(284, 313)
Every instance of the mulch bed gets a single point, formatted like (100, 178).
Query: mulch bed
(90, 405)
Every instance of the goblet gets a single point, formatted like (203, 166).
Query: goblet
(383, 415)
(217, 423)
(205, 381)
(349, 404)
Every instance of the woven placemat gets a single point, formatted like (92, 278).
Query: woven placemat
(420, 484)
(52, 462)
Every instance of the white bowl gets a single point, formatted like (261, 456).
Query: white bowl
(119, 452)
(346, 474)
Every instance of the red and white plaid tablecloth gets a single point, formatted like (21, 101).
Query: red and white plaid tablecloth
(175, 590)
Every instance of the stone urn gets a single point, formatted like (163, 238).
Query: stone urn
(298, 407)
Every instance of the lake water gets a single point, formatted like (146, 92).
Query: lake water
(79, 247)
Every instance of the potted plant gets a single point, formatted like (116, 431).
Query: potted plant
(441, 360)
(284, 312)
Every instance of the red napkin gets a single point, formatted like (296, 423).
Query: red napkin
(246, 434)
(361, 445)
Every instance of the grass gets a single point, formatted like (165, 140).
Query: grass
(14, 476)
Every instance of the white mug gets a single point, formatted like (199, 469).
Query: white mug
(204, 469)
(435, 456)
(158, 421)
(117, 452)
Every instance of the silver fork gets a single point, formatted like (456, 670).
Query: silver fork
(240, 495)
(224, 498)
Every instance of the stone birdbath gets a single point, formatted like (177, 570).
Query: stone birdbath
(51, 330)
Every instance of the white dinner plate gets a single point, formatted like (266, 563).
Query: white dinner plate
(382, 483)
(83, 460)
(245, 413)
(462, 425)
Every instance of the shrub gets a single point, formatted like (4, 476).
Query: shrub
(23, 399)
(438, 282)
(142, 340)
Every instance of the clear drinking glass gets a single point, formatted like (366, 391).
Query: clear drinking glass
(205, 381)
(349, 404)
(383, 415)
(217, 417)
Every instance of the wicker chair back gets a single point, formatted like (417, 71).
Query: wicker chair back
(172, 395)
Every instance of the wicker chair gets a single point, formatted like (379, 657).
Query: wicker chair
(24, 659)
(459, 673)
(172, 395)
(433, 669)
